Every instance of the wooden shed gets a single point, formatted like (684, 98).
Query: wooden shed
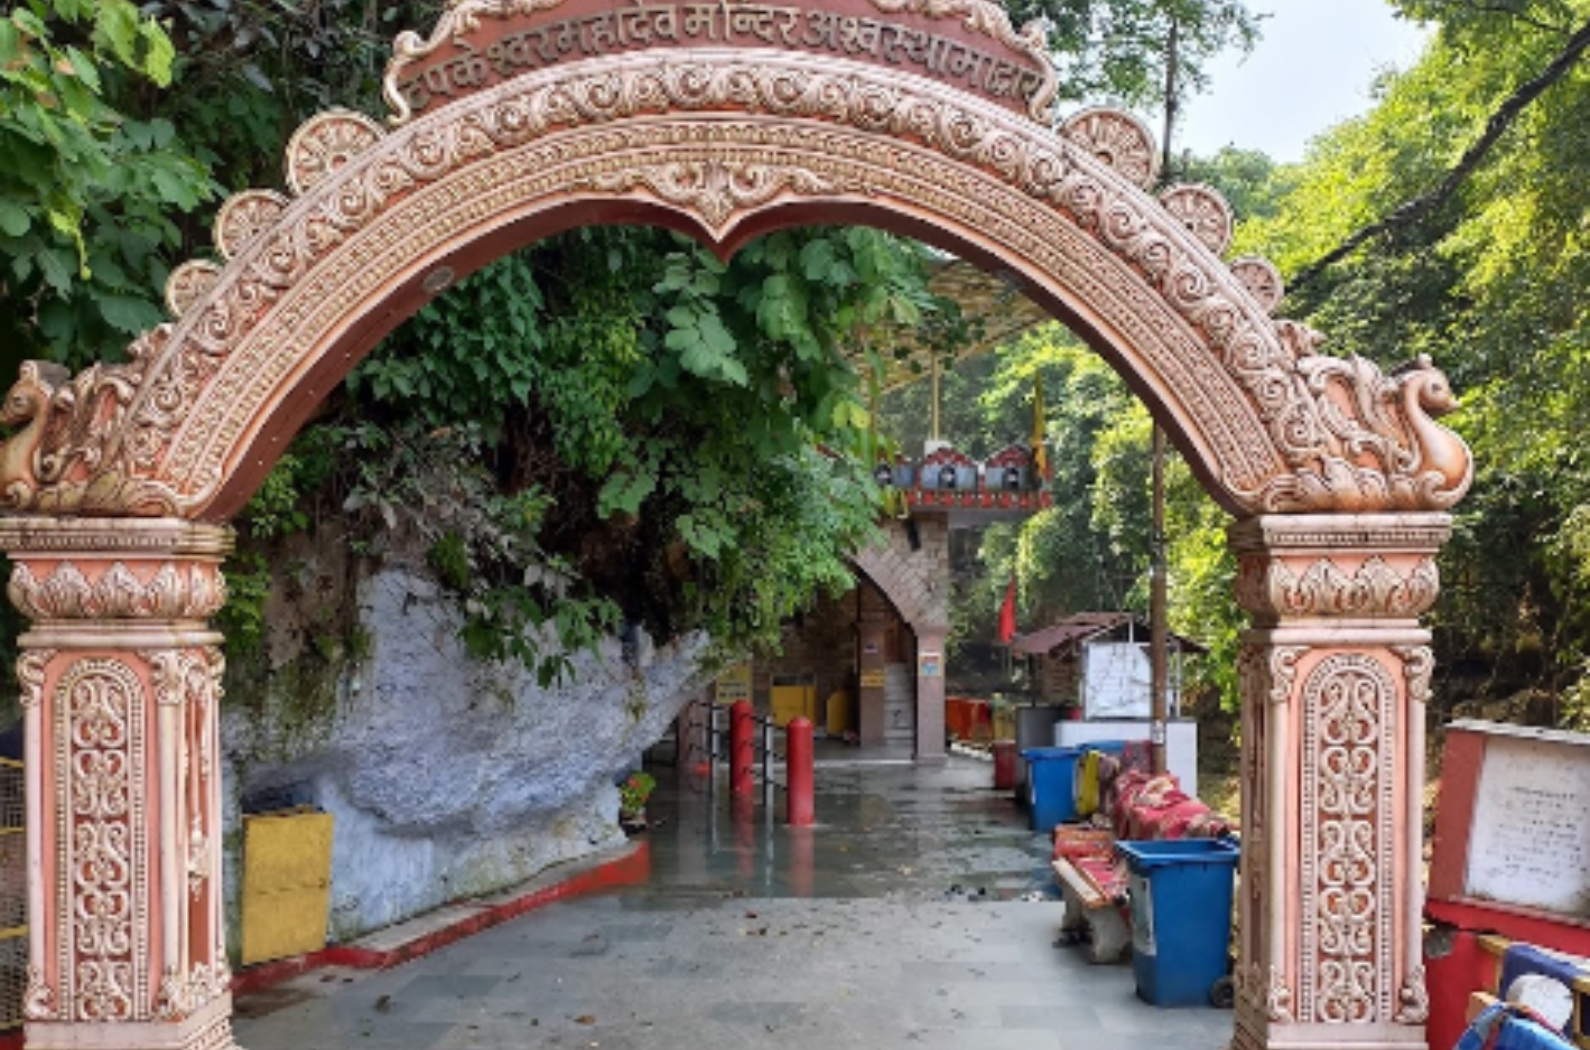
(1099, 661)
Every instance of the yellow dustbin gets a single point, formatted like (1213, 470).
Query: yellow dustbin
(839, 721)
(792, 701)
(286, 883)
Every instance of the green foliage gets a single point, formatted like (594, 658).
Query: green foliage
(86, 191)
(1481, 285)
(1118, 49)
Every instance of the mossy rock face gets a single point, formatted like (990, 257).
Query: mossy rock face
(447, 776)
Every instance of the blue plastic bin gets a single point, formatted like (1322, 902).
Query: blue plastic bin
(1050, 773)
(1051, 781)
(1181, 917)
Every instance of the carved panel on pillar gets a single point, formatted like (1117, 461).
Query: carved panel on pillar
(1335, 675)
(120, 679)
(1348, 853)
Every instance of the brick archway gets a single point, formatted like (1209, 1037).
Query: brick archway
(520, 118)
(914, 576)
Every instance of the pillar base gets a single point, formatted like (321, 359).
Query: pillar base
(1261, 1034)
(209, 1028)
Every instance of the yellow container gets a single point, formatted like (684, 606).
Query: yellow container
(286, 884)
(793, 701)
(1004, 722)
(839, 714)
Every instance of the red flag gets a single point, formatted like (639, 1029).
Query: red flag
(1007, 613)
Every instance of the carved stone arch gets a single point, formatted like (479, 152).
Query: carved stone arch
(726, 146)
(927, 117)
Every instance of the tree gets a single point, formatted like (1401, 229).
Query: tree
(1481, 150)
(1151, 54)
(86, 189)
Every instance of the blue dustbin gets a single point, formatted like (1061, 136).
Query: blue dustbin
(1051, 772)
(1181, 918)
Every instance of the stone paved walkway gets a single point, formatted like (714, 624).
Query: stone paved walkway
(751, 935)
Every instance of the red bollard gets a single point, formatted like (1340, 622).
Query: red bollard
(742, 747)
(799, 808)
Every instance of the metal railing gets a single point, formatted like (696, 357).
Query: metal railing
(766, 740)
(13, 894)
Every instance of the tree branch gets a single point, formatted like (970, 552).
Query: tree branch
(1422, 206)
(1506, 12)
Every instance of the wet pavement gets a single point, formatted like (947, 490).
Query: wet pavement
(918, 913)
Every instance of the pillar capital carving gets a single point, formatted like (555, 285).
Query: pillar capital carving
(123, 538)
(1355, 567)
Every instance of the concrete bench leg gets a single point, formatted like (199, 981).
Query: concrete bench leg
(1112, 935)
(1074, 925)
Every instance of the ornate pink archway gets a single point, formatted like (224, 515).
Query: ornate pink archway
(519, 118)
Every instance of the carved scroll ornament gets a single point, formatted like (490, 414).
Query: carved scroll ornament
(1272, 588)
(155, 437)
(118, 594)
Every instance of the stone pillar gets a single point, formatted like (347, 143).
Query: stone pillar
(930, 693)
(1335, 674)
(872, 641)
(120, 679)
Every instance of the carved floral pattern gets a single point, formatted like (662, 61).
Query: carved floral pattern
(190, 680)
(1270, 587)
(1204, 212)
(325, 144)
(188, 284)
(66, 594)
(1118, 139)
(244, 217)
(1261, 279)
(1347, 835)
(102, 841)
(715, 189)
(38, 998)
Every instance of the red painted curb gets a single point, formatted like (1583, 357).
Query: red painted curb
(629, 870)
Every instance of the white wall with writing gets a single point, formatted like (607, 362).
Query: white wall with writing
(1530, 841)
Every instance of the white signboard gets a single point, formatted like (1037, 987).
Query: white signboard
(1530, 840)
(1115, 681)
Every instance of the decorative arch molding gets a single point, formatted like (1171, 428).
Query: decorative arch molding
(927, 117)
(726, 144)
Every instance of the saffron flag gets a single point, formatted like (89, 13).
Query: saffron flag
(1007, 613)
(1040, 455)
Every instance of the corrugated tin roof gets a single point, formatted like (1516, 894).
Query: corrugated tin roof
(1080, 627)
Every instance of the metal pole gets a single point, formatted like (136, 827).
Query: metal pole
(710, 725)
(934, 417)
(767, 764)
(1156, 606)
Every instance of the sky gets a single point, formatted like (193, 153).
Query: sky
(1312, 68)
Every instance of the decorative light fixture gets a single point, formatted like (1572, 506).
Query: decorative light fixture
(883, 474)
(947, 477)
(1013, 478)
